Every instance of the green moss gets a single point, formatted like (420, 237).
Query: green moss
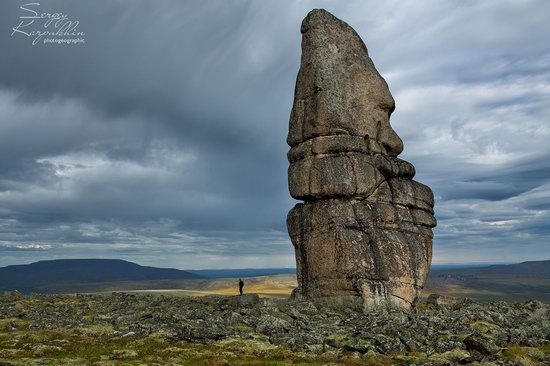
(423, 306)
(10, 323)
(454, 355)
(458, 337)
(89, 316)
(412, 358)
(528, 356)
(483, 327)
(337, 339)
(97, 329)
(90, 345)
(242, 327)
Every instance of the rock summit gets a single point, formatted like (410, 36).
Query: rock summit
(363, 235)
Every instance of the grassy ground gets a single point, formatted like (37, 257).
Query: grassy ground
(262, 291)
(280, 286)
(276, 286)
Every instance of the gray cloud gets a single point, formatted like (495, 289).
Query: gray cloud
(162, 138)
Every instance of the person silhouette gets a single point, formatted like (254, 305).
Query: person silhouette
(241, 285)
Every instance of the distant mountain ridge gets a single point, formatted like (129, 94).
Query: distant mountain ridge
(529, 269)
(47, 276)
(241, 272)
(502, 282)
(520, 280)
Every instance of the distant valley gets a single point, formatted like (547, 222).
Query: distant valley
(508, 282)
(512, 282)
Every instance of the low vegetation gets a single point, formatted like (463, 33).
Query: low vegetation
(132, 329)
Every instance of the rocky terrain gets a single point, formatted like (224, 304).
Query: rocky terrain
(222, 330)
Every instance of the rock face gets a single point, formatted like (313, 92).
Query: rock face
(363, 235)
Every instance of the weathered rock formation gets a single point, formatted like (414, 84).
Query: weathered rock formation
(363, 235)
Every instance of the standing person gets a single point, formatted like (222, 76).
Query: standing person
(241, 285)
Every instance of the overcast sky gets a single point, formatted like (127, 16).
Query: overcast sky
(161, 138)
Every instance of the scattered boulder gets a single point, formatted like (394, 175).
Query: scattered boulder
(481, 344)
(245, 300)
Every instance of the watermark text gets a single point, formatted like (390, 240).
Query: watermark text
(47, 27)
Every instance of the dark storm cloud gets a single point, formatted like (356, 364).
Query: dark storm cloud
(164, 134)
(502, 182)
(199, 87)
